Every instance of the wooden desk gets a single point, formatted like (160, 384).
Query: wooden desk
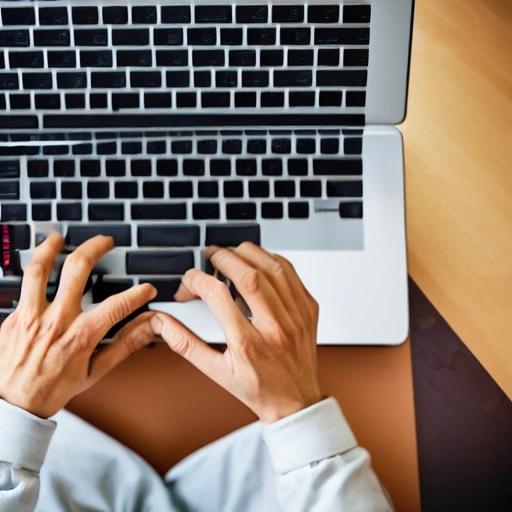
(458, 153)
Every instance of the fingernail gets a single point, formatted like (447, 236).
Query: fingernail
(156, 325)
(154, 292)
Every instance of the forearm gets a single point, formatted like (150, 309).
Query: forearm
(24, 440)
(319, 466)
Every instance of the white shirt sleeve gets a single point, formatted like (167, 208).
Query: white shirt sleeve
(24, 441)
(319, 466)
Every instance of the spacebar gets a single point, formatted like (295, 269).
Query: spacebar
(159, 262)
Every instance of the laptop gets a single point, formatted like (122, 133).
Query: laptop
(172, 125)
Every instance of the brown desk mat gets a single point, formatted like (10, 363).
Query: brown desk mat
(463, 418)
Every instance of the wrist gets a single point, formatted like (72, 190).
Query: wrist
(282, 410)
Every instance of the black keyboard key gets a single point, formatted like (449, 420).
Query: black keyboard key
(301, 99)
(272, 167)
(295, 36)
(272, 210)
(91, 37)
(232, 235)
(351, 210)
(153, 189)
(287, 13)
(37, 168)
(167, 167)
(55, 150)
(122, 101)
(108, 79)
(71, 190)
(272, 99)
(172, 58)
(232, 147)
(202, 211)
(251, 14)
(297, 167)
(9, 190)
(329, 57)
(63, 168)
(140, 58)
(82, 149)
(18, 16)
(130, 37)
(14, 38)
(144, 14)
(338, 167)
(241, 211)
(159, 262)
(98, 100)
(18, 101)
(156, 147)
(157, 100)
(226, 79)
(259, 188)
(284, 188)
(295, 78)
(208, 189)
(98, 189)
(353, 146)
(19, 237)
(41, 211)
(234, 188)
(300, 58)
(168, 36)
(105, 288)
(206, 58)
(166, 288)
(330, 146)
(341, 78)
(342, 36)
(37, 81)
(26, 59)
(281, 146)
(306, 146)
(145, 79)
(245, 99)
(14, 212)
(311, 188)
(355, 58)
(117, 15)
(193, 167)
(62, 59)
(181, 147)
(345, 188)
(125, 190)
(207, 147)
(242, 58)
(106, 148)
(9, 81)
(85, 15)
(256, 146)
(96, 59)
(298, 210)
(220, 167)
(69, 211)
(246, 167)
(9, 169)
(255, 79)
(356, 98)
(231, 36)
(323, 13)
(121, 233)
(356, 13)
(175, 14)
(115, 168)
(162, 235)
(51, 38)
(43, 190)
(140, 167)
(271, 57)
(201, 36)
(261, 36)
(180, 189)
(213, 14)
(77, 80)
(331, 98)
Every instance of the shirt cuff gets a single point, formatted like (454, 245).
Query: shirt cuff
(24, 438)
(310, 435)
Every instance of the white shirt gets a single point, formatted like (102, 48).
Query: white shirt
(306, 462)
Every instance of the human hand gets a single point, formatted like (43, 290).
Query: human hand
(270, 362)
(47, 350)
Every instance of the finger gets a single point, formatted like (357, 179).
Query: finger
(77, 268)
(36, 273)
(294, 280)
(217, 297)
(131, 338)
(257, 291)
(117, 307)
(185, 343)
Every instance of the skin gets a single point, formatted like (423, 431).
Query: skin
(48, 350)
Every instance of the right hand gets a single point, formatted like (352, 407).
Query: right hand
(270, 362)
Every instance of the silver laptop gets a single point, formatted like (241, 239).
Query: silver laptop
(172, 125)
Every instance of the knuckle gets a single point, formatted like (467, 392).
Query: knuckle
(78, 260)
(217, 289)
(35, 270)
(245, 246)
(182, 345)
(119, 310)
(276, 268)
(250, 281)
